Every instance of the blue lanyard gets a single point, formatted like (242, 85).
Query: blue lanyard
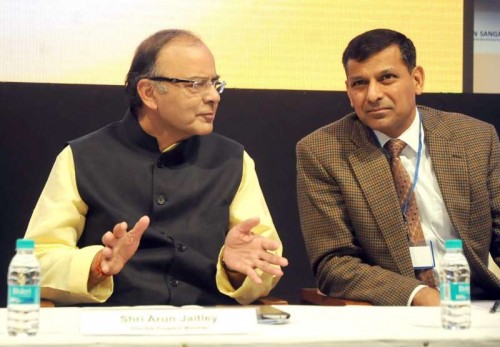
(415, 175)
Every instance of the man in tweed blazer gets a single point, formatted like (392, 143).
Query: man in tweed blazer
(349, 209)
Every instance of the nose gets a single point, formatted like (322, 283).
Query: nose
(211, 95)
(374, 92)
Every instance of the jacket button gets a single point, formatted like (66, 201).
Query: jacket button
(174, 282)
(181, 247)
(160, 200)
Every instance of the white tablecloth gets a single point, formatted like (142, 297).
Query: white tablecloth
(308, 326)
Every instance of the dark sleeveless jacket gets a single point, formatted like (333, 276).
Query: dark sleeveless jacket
(121, 175)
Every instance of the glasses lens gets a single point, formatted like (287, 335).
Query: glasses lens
(202, 85)
(219, 86)
(199, 85)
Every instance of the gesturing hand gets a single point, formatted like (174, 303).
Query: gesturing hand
(245, 251)
(120, 245)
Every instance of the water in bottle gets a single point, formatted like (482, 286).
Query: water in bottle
(455, 287)
(23, 297)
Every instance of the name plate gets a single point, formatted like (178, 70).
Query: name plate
(167, 321)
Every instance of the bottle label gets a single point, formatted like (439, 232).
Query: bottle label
(459, 291)
(25, 294)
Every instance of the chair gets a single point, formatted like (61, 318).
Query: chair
(312, 296)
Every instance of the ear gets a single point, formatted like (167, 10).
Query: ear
(418, 76)
(146, 91)
(348, 95)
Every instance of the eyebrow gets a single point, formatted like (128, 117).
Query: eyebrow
(386, 71)
(355, 78)
(216, 77)
(378, 74)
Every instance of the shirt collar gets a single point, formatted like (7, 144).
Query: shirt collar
(410, 136)
(139, 136)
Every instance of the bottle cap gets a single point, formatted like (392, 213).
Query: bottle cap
(453, 244)
(25, 244)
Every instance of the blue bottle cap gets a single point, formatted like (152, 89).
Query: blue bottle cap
(453, 244)
(25, 244)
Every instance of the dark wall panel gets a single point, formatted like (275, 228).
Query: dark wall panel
(37, 119)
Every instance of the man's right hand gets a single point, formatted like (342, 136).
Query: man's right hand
(119, 246)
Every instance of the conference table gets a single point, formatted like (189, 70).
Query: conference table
(308, 325)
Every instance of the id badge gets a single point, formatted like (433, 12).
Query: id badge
(422, 257)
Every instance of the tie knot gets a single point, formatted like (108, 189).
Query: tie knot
(395, 147)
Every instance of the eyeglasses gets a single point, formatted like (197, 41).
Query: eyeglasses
(197, 86)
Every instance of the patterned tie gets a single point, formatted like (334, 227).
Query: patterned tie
(403, 183)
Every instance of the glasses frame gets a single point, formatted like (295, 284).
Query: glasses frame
(218, 85)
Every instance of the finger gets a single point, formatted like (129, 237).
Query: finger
(107, 265)
(270, 245)
(283, 262)
(107, 253)
(108, 239)
(248, 224)
(140, 227)
(120, 230)
(274, 259)
(252, 274)
(270, 269)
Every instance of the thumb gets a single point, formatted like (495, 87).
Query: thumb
(247, 225)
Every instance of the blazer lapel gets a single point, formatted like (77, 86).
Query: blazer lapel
(450, 165)
(369, 158)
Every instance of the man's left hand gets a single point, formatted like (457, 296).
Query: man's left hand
(245, 251)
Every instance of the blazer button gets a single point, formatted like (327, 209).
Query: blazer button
(181, 247)
(174, 282)
(160, 200)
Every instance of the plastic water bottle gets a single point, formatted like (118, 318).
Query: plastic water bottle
(455, 287)
(23, 297)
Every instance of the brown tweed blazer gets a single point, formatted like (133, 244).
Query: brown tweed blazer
(350, 215)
